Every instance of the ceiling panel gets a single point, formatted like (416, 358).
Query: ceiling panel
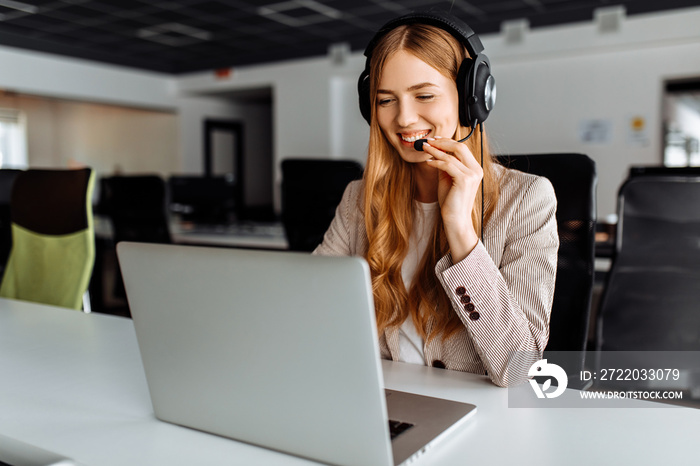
(180, 36)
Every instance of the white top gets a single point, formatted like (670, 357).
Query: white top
(411, 344)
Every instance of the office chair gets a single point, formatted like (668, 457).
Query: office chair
(648, 315)
(650, 302)
(657, 170)
(136, 207)
(53, 238)
(204, 199)
(7, 179)
(311, 191)
(574, 179)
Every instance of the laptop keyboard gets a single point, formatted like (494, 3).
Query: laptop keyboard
(397, 428)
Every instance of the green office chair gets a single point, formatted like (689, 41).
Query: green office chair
(53, 238)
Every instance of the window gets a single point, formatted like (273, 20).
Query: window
(682, 123)
(13, 140)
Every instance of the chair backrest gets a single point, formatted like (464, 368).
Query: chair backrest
(311, 191)
(659, 170)
(7, 180)
(203, 199)
(136, 206)
(574, 179)
(53, 249)
(651, 298)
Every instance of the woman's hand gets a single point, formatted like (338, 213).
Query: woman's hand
(459, 179)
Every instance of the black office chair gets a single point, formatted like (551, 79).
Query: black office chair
(648, 316)
(136, 207)
(311, 191)
(7, 179)
(650, 301)
(659, 170)
(574, 179)
(204, 199)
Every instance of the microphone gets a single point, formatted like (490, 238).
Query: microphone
(418, 145)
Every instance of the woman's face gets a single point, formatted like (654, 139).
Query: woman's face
(415, 101)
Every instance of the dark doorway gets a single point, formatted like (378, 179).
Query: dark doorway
(223, 157)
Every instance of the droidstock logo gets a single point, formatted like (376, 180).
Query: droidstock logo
(544, 369)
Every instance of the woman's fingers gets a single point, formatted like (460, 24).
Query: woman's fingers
(445, 162)
(457, 149)
(457, 164)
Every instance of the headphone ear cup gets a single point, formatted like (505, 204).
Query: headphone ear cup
(479, 108)
(363, 93)
(463, 91)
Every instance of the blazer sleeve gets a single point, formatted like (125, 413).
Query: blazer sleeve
(513, 299)
(340, 238)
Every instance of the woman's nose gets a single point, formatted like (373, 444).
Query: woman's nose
(407, 115)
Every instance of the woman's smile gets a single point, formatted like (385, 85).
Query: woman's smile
(415, 101)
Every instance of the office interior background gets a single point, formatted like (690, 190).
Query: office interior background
(617, 82)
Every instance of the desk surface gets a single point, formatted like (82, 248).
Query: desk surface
(242, 235)
(256, 235)
(73, 383)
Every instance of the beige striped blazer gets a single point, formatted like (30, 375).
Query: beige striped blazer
(509, 278)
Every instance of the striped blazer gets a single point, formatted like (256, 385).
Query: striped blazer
(509, 278)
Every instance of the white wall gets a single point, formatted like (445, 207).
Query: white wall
(75, 80)
(314, 106)
(42, 74)
(559, 77)
(549, 85)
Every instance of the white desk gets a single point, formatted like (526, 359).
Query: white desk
(243, 235)
(256, 235)
(73, 383)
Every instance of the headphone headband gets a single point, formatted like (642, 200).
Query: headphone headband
(458, 28)
(475, 84)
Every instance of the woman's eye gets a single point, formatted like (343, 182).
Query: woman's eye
(425, 97)
(384, 102)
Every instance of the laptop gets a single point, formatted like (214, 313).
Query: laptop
(14, 452)
(276, 349)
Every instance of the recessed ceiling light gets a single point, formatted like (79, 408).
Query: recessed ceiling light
(19, 6)
(318, 13)
(174, 34)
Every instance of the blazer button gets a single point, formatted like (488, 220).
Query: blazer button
(461, 290)
(469, 307)
(466, 299)
(474, 315)
(439, 364)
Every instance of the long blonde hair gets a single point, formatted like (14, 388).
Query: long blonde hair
(389, 190)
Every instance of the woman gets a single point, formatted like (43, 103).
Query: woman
(446, 292)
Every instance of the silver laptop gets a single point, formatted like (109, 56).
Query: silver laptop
(276, 349)
(14, 452)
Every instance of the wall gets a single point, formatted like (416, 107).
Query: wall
(551, 83)
(557, 79)
(314, 107)
(560, 77)
(105, 137)
(79, 81)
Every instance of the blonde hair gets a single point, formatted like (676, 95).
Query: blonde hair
(389, 190)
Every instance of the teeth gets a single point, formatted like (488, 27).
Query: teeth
(415, 137)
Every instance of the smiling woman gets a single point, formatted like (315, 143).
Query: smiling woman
(462, 271)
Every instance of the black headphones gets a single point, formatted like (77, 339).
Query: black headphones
(475, 84)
